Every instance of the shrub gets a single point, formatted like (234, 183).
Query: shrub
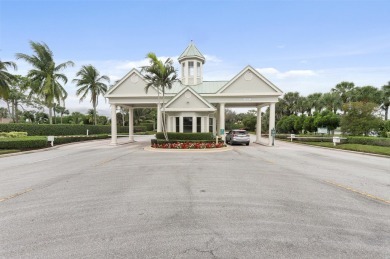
(23, 142)
(13, 134)
(186, 136)
(68, 139)
(148, 126)
(138, 129)
(61, 129)
(374, 141)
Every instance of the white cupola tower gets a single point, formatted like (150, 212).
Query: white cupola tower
(191, 63)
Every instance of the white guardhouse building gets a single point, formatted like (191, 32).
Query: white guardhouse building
(195, 105)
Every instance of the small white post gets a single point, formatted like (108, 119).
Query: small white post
(87, 132)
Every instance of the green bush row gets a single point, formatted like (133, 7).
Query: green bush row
(138, 129)
(148, 126)
(374, 141)
(62, 129)
(68, 139)
(13, 134)
(41, 142)
(23, 142)
(177, 136)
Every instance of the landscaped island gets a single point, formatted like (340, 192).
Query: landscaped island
(186, 141)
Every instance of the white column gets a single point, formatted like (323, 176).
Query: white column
(113, 125)
(258, 126)
(187, 73)
(207, 124)
(195, 72)
(222, 120)
(271, 122)
(159, 118)
(131, 124)
(181, 124)
(194, 122)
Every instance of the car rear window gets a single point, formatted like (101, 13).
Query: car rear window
(241, 132)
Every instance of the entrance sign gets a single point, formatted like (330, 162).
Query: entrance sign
(322, 130)
(336, 140)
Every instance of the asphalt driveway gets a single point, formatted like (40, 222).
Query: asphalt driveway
(92, 200)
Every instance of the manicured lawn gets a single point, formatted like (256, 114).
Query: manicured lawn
(8, 151)
(354, 147)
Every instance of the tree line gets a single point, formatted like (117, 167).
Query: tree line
(43, 86)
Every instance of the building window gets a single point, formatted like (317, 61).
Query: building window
(191, 67)
(177, 124)
(211, 126)
(198, 69)
(198, 124)
(183, 70)
(187, 124)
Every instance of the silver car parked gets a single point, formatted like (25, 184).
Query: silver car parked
(237, 137)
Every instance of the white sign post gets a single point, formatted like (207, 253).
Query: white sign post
(336, 140)
(292, 136)
(51, 139)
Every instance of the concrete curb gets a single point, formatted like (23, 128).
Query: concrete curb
(211, 150)
(49, 148)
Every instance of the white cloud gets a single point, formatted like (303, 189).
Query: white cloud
(288, 74)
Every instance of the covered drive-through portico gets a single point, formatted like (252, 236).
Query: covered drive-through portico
(194, 105)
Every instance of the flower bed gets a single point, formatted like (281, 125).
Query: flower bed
(189, 145)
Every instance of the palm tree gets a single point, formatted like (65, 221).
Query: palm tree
(61, 110)
(344, 89)
(45, 75)
(5, 78)
(160, 75)
(92, 83)
(314, 101)
(386, 99)
(332, 101)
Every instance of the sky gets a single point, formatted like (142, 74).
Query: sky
(306, 46)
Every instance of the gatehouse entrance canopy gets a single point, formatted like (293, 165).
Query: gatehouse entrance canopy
(195, 105)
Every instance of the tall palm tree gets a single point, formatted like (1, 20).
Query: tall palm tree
(5, 78)
(332, 101)
(160, 75)
(344, 89)
(92, 83)
(314, 101)
(45, 75)
(386, 99)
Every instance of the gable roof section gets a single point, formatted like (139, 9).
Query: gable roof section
(132, 84)
(188, 100)
(206, 87)
(249, 80)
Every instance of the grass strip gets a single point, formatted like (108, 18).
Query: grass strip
(8, 151)
(354, 147)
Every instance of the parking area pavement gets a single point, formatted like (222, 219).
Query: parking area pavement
(93, 200)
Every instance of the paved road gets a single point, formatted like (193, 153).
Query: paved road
(92, 200)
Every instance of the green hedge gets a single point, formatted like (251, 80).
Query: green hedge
(374, 141)
(138, 129)
(68, 139)
(41, 142)
(61, 129)
(186, 136)
(13, 134)
(148, 126)
(23, 142)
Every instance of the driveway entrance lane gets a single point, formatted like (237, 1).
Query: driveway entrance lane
(233, 204)
(365, 173)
